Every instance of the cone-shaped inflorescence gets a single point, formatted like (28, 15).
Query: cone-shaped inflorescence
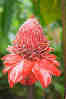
(30, 60)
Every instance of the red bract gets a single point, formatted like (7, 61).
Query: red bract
(29, 60)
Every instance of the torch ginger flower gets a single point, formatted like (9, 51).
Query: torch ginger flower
(30, 60)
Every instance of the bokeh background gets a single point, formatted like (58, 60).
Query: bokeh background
(13, 13)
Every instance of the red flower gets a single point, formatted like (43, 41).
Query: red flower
(30, 60)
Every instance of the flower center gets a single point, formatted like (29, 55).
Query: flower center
(38, 52)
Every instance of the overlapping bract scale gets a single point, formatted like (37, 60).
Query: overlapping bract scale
(30, 60)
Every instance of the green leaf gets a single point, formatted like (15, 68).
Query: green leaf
(6, 16)
(48, 10)
(9, 8)
(1, 74)
(59, 88)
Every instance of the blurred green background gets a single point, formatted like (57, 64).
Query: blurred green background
(13, 13)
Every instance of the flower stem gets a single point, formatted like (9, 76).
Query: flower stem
(31, 92)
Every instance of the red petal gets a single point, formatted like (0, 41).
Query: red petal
(6, 69)
(31, 80)
(11, 84)
(43, 76)
(27, 68)
(11, 59)
(16, 73)
(47, 65)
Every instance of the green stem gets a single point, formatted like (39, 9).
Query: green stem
(31, 92)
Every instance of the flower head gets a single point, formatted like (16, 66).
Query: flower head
(30, 60)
